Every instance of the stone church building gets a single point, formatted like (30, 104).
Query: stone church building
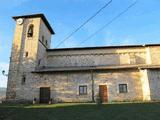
(115, 73)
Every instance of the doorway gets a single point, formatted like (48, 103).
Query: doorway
(44, 94)
(103, 93)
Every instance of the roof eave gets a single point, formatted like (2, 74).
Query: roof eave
(102, 47)
(35, 16)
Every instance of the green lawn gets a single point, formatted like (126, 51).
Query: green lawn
(125, 111)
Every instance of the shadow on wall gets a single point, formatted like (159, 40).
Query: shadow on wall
(154, 84)
(20, 64)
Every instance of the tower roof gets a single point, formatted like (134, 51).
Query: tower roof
(36, 16)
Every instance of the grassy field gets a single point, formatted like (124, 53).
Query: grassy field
(125, 111)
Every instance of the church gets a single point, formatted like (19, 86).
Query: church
(83, 74)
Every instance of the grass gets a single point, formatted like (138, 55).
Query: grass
(88, 111)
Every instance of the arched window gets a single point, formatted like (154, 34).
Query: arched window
(30, 30)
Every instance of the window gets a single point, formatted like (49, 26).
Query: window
(123, 88)
(30, 31)
(46, 42)
(43, 39)
(23, 79)
(26, 54)
(39, 62)
(83, 90)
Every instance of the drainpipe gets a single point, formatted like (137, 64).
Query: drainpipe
(92, 86)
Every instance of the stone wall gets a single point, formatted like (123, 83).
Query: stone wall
(155, 54)
(145, 84)
(65, 86)
(99, 57)
(113, 78)
(154, 84)
(16, 55)
(42, 46)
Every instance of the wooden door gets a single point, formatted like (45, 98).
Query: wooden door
(44, 94)
(103, 93)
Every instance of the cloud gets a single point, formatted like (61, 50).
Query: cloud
(3, 79)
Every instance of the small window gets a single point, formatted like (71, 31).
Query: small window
(123, 88)
(26, 54)
(83, 90)
(30, 31)
(23, 79)
(39, 62)
(42, 39)
(46, 42)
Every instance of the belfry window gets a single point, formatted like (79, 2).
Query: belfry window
(30, 31)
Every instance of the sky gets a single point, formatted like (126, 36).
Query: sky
(139, 25)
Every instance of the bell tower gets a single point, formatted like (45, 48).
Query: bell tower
(31, 39)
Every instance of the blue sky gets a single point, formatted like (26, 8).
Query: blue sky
(140, 25)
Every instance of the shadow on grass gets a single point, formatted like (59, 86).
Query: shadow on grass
(136, 111)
